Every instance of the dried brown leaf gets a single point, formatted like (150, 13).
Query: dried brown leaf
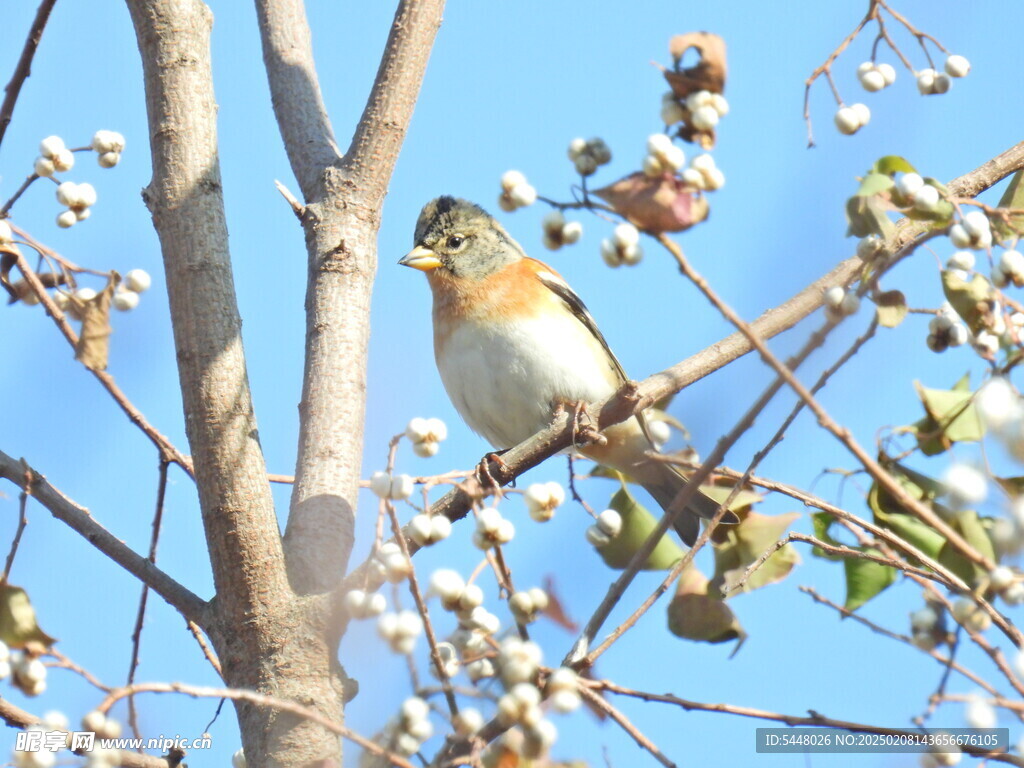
(8, 258)
(555, 610)
(664, 204)
(708, 74)
(94, 342)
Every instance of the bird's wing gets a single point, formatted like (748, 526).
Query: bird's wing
(554, 283)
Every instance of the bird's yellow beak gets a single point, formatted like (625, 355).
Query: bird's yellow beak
(421, 258)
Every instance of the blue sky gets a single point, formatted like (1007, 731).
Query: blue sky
(508, 86)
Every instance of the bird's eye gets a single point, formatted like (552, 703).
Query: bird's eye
(455, 241)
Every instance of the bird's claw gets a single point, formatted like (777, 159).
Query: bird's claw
(483, 470)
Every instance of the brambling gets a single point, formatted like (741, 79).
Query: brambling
(513, 342)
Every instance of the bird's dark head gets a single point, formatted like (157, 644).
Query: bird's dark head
(462, 238)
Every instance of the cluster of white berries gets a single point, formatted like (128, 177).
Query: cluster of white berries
(926, 628)
(465, 601)
(966, 485)
(518, 660)
(704, 174)
(922, 196)
(104, 727)
(492, 529)
(930, 82)
(54, 157)
(542, 499)
(78, 198)
(108, 146)
(840, 303)
(972, 231)
(970, 615)
(1002, 412)
(587, 155)
(467, 722)
(521, 706)
(47, 757)
(607, 526)
(364, 605)
(526, 605)
(395, 487)
(426, 435)
(390, 563)
(1009, 269)
(238, 759)
(516, 192)
(6, 233)
(663, 156)
(559, 232)
(946, 329)
(1007, 584)
(706, 109)
(400, 630)
(28, 673)
(850, 119)
(623, 247)
(413, 726)
(874, 77)
(562, 690)
(427, 529)
(126, 295)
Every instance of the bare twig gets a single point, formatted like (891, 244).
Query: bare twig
(24, 66)
(946, 661)
(615, 714)
(79, 519)
(814, 719)
(260, 700)
(162, 443)
(421, 607)
(133, 664)
(22, 522)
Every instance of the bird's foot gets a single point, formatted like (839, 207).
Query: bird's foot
(483, 470)
(584, 429)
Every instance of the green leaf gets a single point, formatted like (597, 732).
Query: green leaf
(1013, 197)
(965, 297)
(891, 164)
(744, 499)
(822, 522)
(891, 308)
(744, 543)
(969, 525)
(951, 417)
(693, 614)
(889, 514)
(865, 579)
(867, 216)
(18, 625)
(874, 183)
(637, 524)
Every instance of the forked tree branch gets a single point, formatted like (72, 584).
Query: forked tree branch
(78, 518)
(340, 219)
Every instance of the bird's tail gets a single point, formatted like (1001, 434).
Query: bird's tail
(663, 482)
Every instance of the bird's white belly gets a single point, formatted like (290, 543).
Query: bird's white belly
(504, 380)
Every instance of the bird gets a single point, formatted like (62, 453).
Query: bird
(513, 342)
